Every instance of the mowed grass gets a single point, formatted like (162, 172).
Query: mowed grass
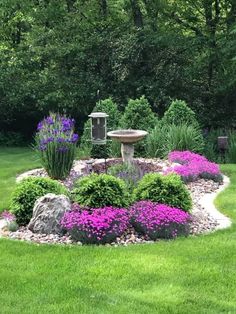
(188, 275)
(13, 161)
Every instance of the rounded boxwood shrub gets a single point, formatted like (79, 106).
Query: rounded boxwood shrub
(94, 226)
(100, 191)
(27, 192)
(138, 114)
(179, 113)
(164, 189)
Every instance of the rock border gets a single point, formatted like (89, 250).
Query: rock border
(207, 202)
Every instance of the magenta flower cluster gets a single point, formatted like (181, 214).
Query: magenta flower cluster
(193, 166)
(159, 220)
(98, 225)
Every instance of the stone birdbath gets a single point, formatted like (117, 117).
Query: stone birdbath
(127, 138)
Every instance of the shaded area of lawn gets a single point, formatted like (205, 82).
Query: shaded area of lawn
(189, 275)
(12, 162)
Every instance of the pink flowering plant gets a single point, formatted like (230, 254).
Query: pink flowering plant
(159, 220)
(56, 143)
(10, 220)
(193, 166)
(97, 225)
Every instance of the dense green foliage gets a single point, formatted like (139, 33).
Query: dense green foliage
(180, 113)
(184, 137)
(212, 151)
(161, 49)
(231, 153)
(156, 141)
(165, 138)
(9, 139)
(100, 190)
(138, 114)
(167, 189)
(27, 192)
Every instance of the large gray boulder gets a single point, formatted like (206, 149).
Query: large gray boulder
(47, 213)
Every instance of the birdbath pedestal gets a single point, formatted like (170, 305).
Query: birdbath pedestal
(127, 138)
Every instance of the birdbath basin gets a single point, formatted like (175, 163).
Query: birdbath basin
(127, 138)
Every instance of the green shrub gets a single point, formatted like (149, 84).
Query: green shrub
(211, 150)
(138, 115)
(231, 152)
(12, 139)
(99, 151)
(27, 192)
(179, 113)
(100, 190)
(162, 189)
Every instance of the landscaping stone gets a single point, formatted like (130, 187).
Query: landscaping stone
(3, 226)
(47, 213)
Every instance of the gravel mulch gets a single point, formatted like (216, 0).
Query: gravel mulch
(201, 223)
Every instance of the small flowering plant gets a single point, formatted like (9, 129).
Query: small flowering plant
(159, 220)
(56, 143)
(10, 220)
(95, 226)
(193, 166)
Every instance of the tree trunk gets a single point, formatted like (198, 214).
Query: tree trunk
(212, 15)
(137, 14)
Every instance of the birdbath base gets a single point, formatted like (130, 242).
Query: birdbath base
(127, 152)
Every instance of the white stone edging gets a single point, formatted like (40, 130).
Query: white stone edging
(207, 202)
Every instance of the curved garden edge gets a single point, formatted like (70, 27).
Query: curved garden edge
(207, 201)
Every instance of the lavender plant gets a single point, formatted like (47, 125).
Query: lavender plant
(131, 174)
(56, 143)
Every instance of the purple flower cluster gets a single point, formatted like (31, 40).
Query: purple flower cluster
(99, 225)
(9, 217)
(159, 220)
(56, 129)
(193, 166)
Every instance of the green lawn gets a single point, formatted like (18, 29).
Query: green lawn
(188, 275)
(12, 162)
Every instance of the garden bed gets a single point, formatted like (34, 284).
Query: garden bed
(201, 221)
